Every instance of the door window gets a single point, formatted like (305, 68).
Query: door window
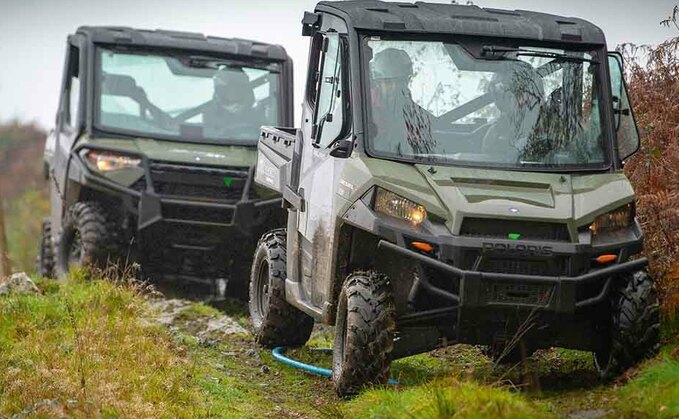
(329, 115)
(72, 94)
(626, 126)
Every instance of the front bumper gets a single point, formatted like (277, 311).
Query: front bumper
(152, 207)
(184, 236)
(489, 308)
(557, 294)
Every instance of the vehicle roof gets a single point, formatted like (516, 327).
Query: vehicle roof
(182, 40)
(458, 19)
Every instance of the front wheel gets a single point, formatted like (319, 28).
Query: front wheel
(275, 321)
(635, 327)
(364, 333)
(88, 238)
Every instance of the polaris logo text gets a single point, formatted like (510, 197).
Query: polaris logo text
(518, 249)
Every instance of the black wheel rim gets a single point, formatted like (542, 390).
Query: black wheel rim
(262, 287)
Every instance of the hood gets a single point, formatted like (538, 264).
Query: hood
(555, 197)
(178, 152)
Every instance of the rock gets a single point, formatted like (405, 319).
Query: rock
(18, 283)
(589, 414)
(224, 325)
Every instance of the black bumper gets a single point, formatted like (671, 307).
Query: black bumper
(152, 208)
(559, 293)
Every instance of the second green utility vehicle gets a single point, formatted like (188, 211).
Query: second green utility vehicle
(152, 156)
(457, 179)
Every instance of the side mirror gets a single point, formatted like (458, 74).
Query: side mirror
(310, 23)
(342, 148)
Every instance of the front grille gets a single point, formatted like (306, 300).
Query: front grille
(201, 183)
(554, 266)
(501, 229)
(201, 214)
(511, 293)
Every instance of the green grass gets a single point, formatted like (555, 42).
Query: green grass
(197, 311)
(82, 348)
(443, 398)
(24, 216)
(654, 392)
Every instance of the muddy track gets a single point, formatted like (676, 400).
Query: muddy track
(566, 380)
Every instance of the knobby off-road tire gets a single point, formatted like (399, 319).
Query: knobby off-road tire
(88, 238)
(275, 321)
(635, 327)
(364, 333)
(44, 262)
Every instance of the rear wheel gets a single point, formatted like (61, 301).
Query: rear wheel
(635, 327)
(44, 262)
(275, 321)
(88, 238)
(364, 333)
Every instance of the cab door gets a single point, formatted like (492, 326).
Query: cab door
(325, 121)
(69, 124)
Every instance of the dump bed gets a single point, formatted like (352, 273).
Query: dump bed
(276, 166)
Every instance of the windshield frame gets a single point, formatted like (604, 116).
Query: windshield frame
(97, 129)
(599, 54)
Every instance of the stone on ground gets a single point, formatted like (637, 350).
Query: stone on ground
(18, 283)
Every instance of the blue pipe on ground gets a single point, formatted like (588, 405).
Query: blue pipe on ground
(278, 354)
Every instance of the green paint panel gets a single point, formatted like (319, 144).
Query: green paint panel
(228, 181)
(514, 236)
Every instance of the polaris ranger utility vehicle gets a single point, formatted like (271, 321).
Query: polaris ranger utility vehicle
(153, 152)
(457, 179)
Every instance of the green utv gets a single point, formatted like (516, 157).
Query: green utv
(457, 179)
(152, 156)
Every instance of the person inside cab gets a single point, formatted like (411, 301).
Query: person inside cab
(399, 125)
(517, 92)
(232, 109)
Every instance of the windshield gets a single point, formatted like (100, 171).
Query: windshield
(515, 106)
(185, 97)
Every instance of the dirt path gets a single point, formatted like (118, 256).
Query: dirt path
(568, 386)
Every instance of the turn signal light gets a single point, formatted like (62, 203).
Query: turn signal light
(423, 246)
(603, 259)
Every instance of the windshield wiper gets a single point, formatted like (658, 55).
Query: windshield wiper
(498, 52)
(199, 61)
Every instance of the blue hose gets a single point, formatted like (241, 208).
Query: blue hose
(325, 372)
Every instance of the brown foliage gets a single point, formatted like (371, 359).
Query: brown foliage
(21, 147)
(653, 81)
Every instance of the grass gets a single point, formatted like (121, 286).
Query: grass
(443, 398)
(197, 311)
(86, 348)
(24, 216)
(81, 350)
(654, 392)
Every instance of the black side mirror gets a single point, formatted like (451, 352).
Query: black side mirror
(342, 148)
(310, 23)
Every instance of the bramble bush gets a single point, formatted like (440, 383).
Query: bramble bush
(652, 75)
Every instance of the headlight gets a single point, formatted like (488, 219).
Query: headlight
(397, 206)
(106, 161)
(617, 219)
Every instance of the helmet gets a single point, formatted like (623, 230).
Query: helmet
(232, 87)
(391, 63)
